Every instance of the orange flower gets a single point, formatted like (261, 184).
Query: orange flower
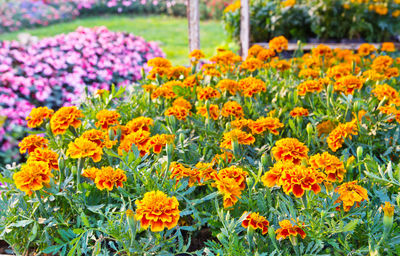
(330, 164)
(207, 93)
(341, 70)
(372, 75)
(192, 80)
(214, 111)
(240, 123)
(140, 138)
(388, 209)
(178, 172)
(32, 176)
(166, 90)
(206, 171)
(251, 64)
(210, 70)
(280, 65)
(309, 86)
(45, 155)
(289, 149)
(390, 110)
(229, 189)
(298, 112)
(101, 138)
(107, 178)
(265, 54)
(322, 50)
(64, 118)
(159, 62)
(179, 112)
(309, 73)
(336, 138)
(236, 173)
(82, 147)
(388, 47)
(254, 50)
(325, 127)
(158, 211)
(255, 221)
(181, 102)
(178, 72)
(232, 108)
(265, 123)
(90, 173)
(31, 143)
(250, 86)
(107, 118)
(241, 137)
(158, 141)
(149, 87)
(381, 63)
(385, 90)
(366, 49)
(391, 72)
(278, 44)
(100, 92)
(196, 54)
(139, 123)
(351, 193)
(225, 157)
(348, 84)
(37, 116)
(272, 177)
(287, 229)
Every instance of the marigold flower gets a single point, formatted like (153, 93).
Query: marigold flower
(309, 86)
(372, 75)
(381, 63)
(140, 138)
(351, 193)
(341, 70)
(82, 147)
(266, 54)
(232, 108)
(272, 177)
(228, 85)
(290, 149)
(37, 116)
(384, 90)
(336, 138)
(107, 178)
(391, 72)
(179, 112)
(90, 173)
(159, 62)
(101, 138)
(107, 118)
(322, 50)
(32, 142)
(325, 127)
(278, 44)
(177, 72)
(390, 110)
(240, 123)
(64, 118)
(206, 171)
(280, 65)
(287, 229)
(178, 172)
(309, 73)
(236, 173)
(139, 123)
(254, 50)
(241, 137)
(192, 80)
(158, 141)
(299, 111)
(229, 189)
(254, 220)
(158, 211)
(207, 93)
(226, 59)
(288, 3)
(366, 49)
(330, 164)
(348, 84)
(210, 70)
(250, 86)
(388, 47)
(45, 155)
(166, 90)
(197, 54)
(100, 92)
(149, 87)
(224, 157)
(388, 209)
(214, 111)
(181, 102)
(251, 64)
(32, 176)
(265, 123)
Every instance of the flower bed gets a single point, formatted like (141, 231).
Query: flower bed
(267, 156)
(56, 71)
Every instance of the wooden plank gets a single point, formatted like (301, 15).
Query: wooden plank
(193, 15)
(244, 27)
(309, 46)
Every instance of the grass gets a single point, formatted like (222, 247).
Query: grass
(170, 32)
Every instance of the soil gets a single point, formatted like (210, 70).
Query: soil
(4, 248)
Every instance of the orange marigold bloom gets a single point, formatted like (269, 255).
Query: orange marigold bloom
(251, 64)
(229, 189)
(177, 72)
(309, 86)
(178, 172)
(272, 177)
(225, 157)
(149, 87)
(330, 164)
(278, 44)
(192, 80)
(139, 123)
(265, 123)
(181, 102)
(158, 141)
(372, 75)
(207, 93)
(196, 54)
(366, 49)
(140, 138)
(348, 84)
(226, 59)
(37, 116)
(322, 50)
(101, 138)
(265, 54)
(381, 63)
(254, 50)
(159, 62)
(178, 111)
(166, 90)
(107, 178)
(391, 72)
(64, 118)
(158, 211)
(341, 70)
(82, 147)
(390, 110)
(254, 220)
(388, 47)
(100, 92)
(309, 73)
(232, 108)
(107, 118)
(32, 176)
(45, 155)
(388, 209)
(236, 173)
(351, 193)
(206, 171)
(250, 86)
(240, 123)
(336, 138)
(214, 111)
(299, 111)
(90, 173)
(287, 229)
(210, 70)
(228, 85)
(241, 137)
(280, 65)
(290, 149)
(32, 142)
(384, 90)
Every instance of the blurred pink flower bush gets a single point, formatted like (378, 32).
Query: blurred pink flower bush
(55, 71)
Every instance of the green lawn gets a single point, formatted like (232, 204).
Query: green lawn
(170, 32)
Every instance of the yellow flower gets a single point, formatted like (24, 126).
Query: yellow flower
(351, 193)
(289, 149)
(178, 172)
(37, 116)
(336, 138)
(90, 173)
(388, 209)
(232, 108)
(330, 164)
(107, 178)
(237, 135)
(32, 142)
(388, 47)
(196, 54)
(140, 138)
(45, 155)
(33, 176)
(348, 84)
(278, 44)
(82, 147)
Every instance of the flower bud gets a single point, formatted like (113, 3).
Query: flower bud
(359, 152)
(388, 210)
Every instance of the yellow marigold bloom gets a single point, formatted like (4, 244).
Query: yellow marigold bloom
(64, 118)
(240, 123)
(166, 90)
(366, 49)
(226, 58)
(140, 138)
(341, 70)
(371, 74)
(273, 176)
(299, 111)
(288, 3)
(309, 86)
(262, 124)
(236, 173)
(82, 147)
(322, 50)
(384, 90)
(388, 47)
(32, 142)
(388, 209)
(149, 87)
(351, 193)
(177, 72)
(210, 70)
(101, 138)
(106, 118)
(158, 141)
(348, 84)
(278, 44)
(287, 229)
(214, 111)
(280, 65)
(330, 165)
(192, 80)
(254, 50)
(309, 73)
(178, 172)
(32, 176)
(158, 211)
(229, 189)
(90, 173)
(159, 63)
(205, 171)
(250, 86)
(107, 178)
(254, 220)
(178, 111)
(251, 64)
(181, 102)
(241, 137)
(228, 85)
(336, 138)
(207, 93)
(265, 54)
(232, 108)
(196, 54)
(390, 110)
(381, 63)
(391, 72)
(139, 123)
(290, 149)
(45, 155)
(37, 116)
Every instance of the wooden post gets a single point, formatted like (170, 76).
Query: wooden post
(244, 27)
(193, 15)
